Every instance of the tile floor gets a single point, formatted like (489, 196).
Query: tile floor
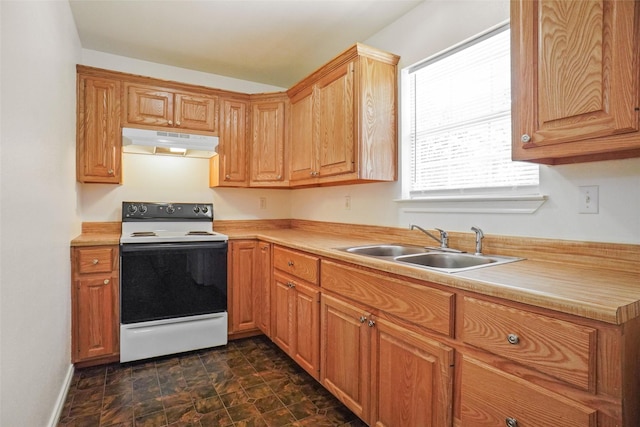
(249, 382)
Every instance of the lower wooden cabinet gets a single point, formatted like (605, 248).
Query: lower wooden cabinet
(490, 397)
(386, 374)
(242, 285)
(264, 276)
(95, 304)
(296, 320)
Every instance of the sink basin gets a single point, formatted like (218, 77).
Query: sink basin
(386, 250)
(453, 262)
(429, 258)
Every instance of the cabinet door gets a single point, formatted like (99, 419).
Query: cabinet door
(149, 106)
(233, 144)
(336, 132)
(281, 318)
(412, 379)
(268, 143)
(345, 353)
(263, 305)
(575, 75)
(97, 322)
(302, 152)
(243, 260)
(197, 112)
(306, 320)
(98, 156)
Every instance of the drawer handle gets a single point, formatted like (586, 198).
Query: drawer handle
(291, 285)
(106, 281)
(95, 261)
(290, 263)
(513, 339)
(363, 319)
(372, 323)
(511, 422)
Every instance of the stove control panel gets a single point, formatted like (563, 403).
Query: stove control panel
(152, 211)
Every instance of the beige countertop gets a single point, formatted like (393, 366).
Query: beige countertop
(590, 292)
(605, 295)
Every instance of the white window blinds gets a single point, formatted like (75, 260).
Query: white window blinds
(461, 121)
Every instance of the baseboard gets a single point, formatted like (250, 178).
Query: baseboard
(62, 397)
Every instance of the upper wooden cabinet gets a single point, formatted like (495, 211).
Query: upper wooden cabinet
(98, 139)
(158, 106)
(268, 140)
(230, 167)
(343, 121)
(575, 80)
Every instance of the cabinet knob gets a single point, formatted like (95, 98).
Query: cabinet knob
(291, 285)
(227, 177)
(170, 122)
(290, 263)
(363, 319)
(372, 323)
(95, 261)
(525, 138)
(279, 177)
(511, 422)
(177, 123)
(513, 339)
(110, 171)
(106, 281)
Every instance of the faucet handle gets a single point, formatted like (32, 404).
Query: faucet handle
(444, 238)
(479, 237)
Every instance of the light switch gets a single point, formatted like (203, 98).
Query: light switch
(588, 202)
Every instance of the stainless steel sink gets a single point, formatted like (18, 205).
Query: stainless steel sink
(391, 250)
(430, 258)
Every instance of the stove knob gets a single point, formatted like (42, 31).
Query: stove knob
(205, 209)
(196, 209)
(170, 209)
(132, 209)
(143, 209)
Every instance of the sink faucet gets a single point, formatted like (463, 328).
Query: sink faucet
(444, 237)
(479, 237)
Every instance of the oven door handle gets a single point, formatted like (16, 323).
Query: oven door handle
(147, 247)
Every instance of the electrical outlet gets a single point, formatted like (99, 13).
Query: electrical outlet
(263, 203)
(588, 201)
(347, 202)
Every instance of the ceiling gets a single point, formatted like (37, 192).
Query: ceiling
(267, 41)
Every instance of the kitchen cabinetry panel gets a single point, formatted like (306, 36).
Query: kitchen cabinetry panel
(490, 397)
(243, 262)
(298, 264)
(268, 160)
(306, 319)
(95, 304)
(575, 79)
(558, 348)
(265, 273)
(149, 106)
(230, 168)
(281, 320)
(98, 139)
(303, 151)
(196, 112)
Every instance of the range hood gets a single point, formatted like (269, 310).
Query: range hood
(144, 141)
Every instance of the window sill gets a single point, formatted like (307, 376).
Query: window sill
(509, 204)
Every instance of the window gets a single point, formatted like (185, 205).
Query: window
(460, 133)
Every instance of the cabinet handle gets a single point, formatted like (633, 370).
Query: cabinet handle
(511, 422)
(279, 177)
(110, 171)
(363, 319)
(290, 263)
(291, 285)
(525, 138)
(227, 177)
(177, 123)
(372, 323)
(95, 261)
(513, 339)
(106, 281)
(170, 122)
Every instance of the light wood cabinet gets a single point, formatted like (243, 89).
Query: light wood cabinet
(158, 106)
(265, 279)
(243, 285)
(575, 80)
(95, 305)
(230, 167)
(98, 139)
(295, 318)
(268, 140)
(343, 121)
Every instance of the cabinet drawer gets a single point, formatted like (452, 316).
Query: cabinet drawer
(95, 260)
(558, 348)
(297, 264)
(424, 306)
(490, 397)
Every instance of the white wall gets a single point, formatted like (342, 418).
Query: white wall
(429, 28)
(40, 48)
(164, 178)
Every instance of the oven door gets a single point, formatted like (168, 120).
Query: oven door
(172, 280)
